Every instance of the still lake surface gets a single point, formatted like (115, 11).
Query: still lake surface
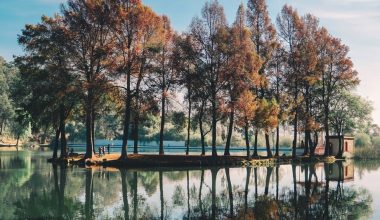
(31, 188)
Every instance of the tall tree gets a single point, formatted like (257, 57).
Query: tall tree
(265, 41)
(90, 52)
(289, 23)
(208, 33)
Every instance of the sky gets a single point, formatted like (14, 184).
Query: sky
(356, 22)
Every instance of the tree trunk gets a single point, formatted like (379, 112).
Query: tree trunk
(340, 150)
(246, 134)
(277, 141)
(62, 128)
(230, 130)
(93, 130)
(267, 143)
(188, 126)
(136, 133)
(214, 121)
(89, 142)
(162, 125)
(294, 154)
(255, 144)
(201, 130)
(127, 116)
(56, 144)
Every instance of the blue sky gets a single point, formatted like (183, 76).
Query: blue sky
(357, 22)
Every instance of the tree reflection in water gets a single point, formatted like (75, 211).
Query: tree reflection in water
(313, 191)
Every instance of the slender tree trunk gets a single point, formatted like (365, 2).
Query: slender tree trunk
(201, 130)
(295, 122)
(246, 134)
(127, 116)
(124, 189)
(162, 127)
(62, 128)
(136, 133)
(277, 141)
(255, 144)
(56, 144)
(89, 141)
(188, 126)
(294, 154)
(214, 122)
(93, 130)
(267, 143)
(230, 130)
(306, 150)
(340, 150)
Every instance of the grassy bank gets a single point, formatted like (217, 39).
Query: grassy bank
(367, 153)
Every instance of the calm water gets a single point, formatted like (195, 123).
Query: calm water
(32, 188)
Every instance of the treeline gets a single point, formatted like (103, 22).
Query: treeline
(252, 76)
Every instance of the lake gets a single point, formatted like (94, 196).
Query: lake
(32, 188)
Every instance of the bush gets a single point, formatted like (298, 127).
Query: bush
(286, 142)
(363, 140)
(367, 153)
(376, 141)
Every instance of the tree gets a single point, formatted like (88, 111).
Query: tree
(265, 41)
(90, 52)
(166, 75)
(209, 33)
(337, 74)
(289, 23)
(348, 112)
(7, 74)
(45, 71)
(242, 73)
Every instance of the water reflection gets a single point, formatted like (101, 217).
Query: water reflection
(31, 188)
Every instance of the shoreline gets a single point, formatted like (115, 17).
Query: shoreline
(178, 161)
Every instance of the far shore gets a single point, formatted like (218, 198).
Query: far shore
(162, 161)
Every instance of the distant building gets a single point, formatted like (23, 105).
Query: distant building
(347, 142)
(348, 146)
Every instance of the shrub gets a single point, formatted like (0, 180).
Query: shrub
(367, 153)
(363, 140)
(376, 141)
(286, 142)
